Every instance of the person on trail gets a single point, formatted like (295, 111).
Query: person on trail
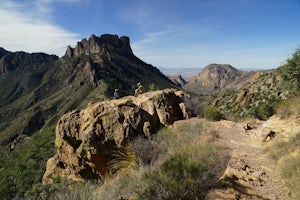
(116, 94)
(138, 90)
(248, 127)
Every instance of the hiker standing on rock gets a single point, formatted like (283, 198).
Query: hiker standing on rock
(116, 94)
(138, 90)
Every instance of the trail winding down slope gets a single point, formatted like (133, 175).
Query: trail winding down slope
(250, 173)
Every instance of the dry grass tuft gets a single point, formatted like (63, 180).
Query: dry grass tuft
(287, 155)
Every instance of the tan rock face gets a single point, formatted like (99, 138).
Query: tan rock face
(86, 138)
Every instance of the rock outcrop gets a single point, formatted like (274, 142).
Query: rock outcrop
(178, 80)
(102, 44)
(86, 138)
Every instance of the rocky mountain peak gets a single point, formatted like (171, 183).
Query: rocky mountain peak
(99, 45)
(217, 76)
(3, 52)
(178, 80)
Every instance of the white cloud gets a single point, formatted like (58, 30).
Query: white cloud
(44, 7)
(177, 45)
(21, 30)
(186, 49)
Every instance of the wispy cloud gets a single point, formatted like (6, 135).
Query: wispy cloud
(28, 27)
(188, 48)
(175, 42)
(44, 7)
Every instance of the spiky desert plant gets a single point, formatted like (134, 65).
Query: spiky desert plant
(122, 158)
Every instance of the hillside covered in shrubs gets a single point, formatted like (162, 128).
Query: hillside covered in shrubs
(184, 161)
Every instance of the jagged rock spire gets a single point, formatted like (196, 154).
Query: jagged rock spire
(98, 45)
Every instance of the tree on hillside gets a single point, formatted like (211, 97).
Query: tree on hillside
(290, 71)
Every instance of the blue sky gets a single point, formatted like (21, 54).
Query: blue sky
(165, 33)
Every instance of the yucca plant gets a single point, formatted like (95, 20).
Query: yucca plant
(122, 159)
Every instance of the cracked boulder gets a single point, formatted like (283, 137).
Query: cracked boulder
(85, 139)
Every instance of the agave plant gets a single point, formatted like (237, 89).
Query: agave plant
(122, 159)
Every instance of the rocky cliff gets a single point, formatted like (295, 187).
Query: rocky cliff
(85, 139)
(102, 44)
(22, 61)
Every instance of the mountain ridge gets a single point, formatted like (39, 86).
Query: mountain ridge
(38, 88)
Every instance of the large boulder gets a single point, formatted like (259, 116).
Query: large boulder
(86, 138)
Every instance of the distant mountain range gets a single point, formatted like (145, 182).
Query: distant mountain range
(185, 73)
(189, 72)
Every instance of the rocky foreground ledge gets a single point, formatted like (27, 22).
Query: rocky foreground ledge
(85, 138)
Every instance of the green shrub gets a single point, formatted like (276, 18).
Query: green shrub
(181, 177)
(63, 190)
(212, 113)
(152, 87)
(24, 167)
(287, 108)
(186, 166)
(264, 111)
(41, 191)
(290, 72)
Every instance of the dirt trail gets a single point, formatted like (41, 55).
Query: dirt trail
(250, 173)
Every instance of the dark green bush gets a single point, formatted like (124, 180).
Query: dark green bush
(25, 167)
(212, 113)
(290, 72)
(264, 111)
(180, 177)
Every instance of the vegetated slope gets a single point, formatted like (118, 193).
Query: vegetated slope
(215, 77)
(257, 98)
(38, 88)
